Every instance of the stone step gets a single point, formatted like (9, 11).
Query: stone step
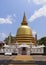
(23, 58)
(22, 64)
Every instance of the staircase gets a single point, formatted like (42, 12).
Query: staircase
(24, 63)
(23, 60)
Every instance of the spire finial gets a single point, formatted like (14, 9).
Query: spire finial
(9, 39)
(24, 22)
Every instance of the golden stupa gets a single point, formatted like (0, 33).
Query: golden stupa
(24, 33)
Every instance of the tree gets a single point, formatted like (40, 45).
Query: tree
(42, 41)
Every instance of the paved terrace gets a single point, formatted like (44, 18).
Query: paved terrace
(23, 60)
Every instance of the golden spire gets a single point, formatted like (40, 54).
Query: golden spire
(24, 22)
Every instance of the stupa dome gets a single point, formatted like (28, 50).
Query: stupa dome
(24, 30)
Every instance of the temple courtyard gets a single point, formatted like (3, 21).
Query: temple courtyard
(23, 60)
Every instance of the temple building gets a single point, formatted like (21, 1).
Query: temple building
(23, 43)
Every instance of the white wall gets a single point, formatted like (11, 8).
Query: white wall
(37, 50)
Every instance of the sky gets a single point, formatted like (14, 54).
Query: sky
(11, 15)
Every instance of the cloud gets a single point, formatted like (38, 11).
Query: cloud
(40, 12)
(2, 36)
(29, 1)
(34, 33)
(7, 20)
(14, 15)
(39, 2)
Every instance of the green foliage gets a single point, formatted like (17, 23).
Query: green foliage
(6, 40)
(12, 40)
(42, 41)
